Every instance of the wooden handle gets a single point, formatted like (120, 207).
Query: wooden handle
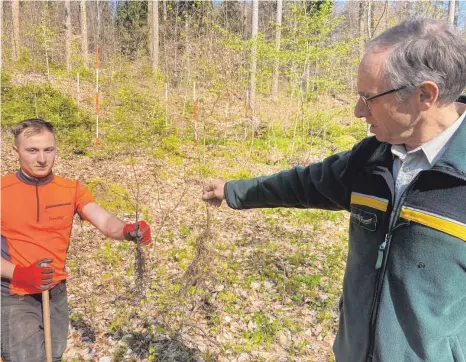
(47, 331)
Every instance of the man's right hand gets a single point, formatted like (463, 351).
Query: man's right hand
(213, 192)
(34, 275)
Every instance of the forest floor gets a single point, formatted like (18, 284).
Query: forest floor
(219, 284)
(266, 286)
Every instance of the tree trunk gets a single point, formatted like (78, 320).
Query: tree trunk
(255, 25)
(155, 35)
(84, 44)
(369, 19)
(16, 40)
(1, 29)
(150, 12)
(46, 40)
(244, 19)
(68, 34)
(457, 5)
(451, 12)
(276, 69)
(164, 11)
(361, 27)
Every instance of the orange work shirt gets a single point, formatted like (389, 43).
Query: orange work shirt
(37, 216)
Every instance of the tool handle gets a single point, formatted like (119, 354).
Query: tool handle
(46, 319)
(47, 330)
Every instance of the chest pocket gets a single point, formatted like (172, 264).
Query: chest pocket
(363, 218)
(58, 215)
(364, 210)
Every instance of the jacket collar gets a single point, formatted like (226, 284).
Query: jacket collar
(454, 158)
(33, 180)
(382, 156)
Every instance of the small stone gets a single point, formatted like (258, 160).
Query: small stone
(105, 359)
(252, 325)
(127, 337)
(255, 285)
(219, 288)
(243, 357)
(227, 319)
(285, 338)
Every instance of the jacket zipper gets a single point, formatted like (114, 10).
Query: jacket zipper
(381, 265)
(37, 199)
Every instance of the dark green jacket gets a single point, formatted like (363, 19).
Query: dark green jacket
(404, 291)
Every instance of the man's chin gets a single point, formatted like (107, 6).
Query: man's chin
(379, 137)
(41, 174)
(38, 173)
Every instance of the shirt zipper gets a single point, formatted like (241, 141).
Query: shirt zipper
(37, 199)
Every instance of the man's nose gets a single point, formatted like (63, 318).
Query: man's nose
(41, 157)
(360, 109)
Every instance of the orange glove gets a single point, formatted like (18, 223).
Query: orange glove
(139, 232)
(34, 275)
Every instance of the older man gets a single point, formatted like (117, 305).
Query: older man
(37, 215)
(404, 292)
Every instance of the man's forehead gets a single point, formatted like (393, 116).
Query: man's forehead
(371, 72)
(42, 138)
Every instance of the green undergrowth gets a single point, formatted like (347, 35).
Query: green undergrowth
(115, 198)
(73, 126)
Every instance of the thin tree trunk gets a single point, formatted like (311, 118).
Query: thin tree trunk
(150, 12)
(369, 19)
(155, 36)
(276, 69)
(84, 43)
(244, 19)
(451, 12)
(164, 11)
(457, 5)
(255, 23)
(361, 27)
(1, 32)
(46, 41)
(188, 50)
(68, 34)
(16, 39)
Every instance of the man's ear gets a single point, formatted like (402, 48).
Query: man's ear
(428, 94)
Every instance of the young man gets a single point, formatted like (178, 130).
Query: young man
(404, 291)
(37, 214)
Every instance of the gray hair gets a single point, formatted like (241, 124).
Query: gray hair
(424, 50)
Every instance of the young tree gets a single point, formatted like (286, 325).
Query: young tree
(84, 44)
(276, 69)
(362, 6)
(155, 34)
(16, 39)
(255, 23)
(451, 12)
(68, 34)
(1, 32)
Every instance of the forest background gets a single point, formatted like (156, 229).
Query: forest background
(150, 100)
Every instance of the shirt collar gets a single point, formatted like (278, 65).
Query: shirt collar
(432, 149)
(33, 180)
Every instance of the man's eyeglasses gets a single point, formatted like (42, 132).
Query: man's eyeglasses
(367, 99)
